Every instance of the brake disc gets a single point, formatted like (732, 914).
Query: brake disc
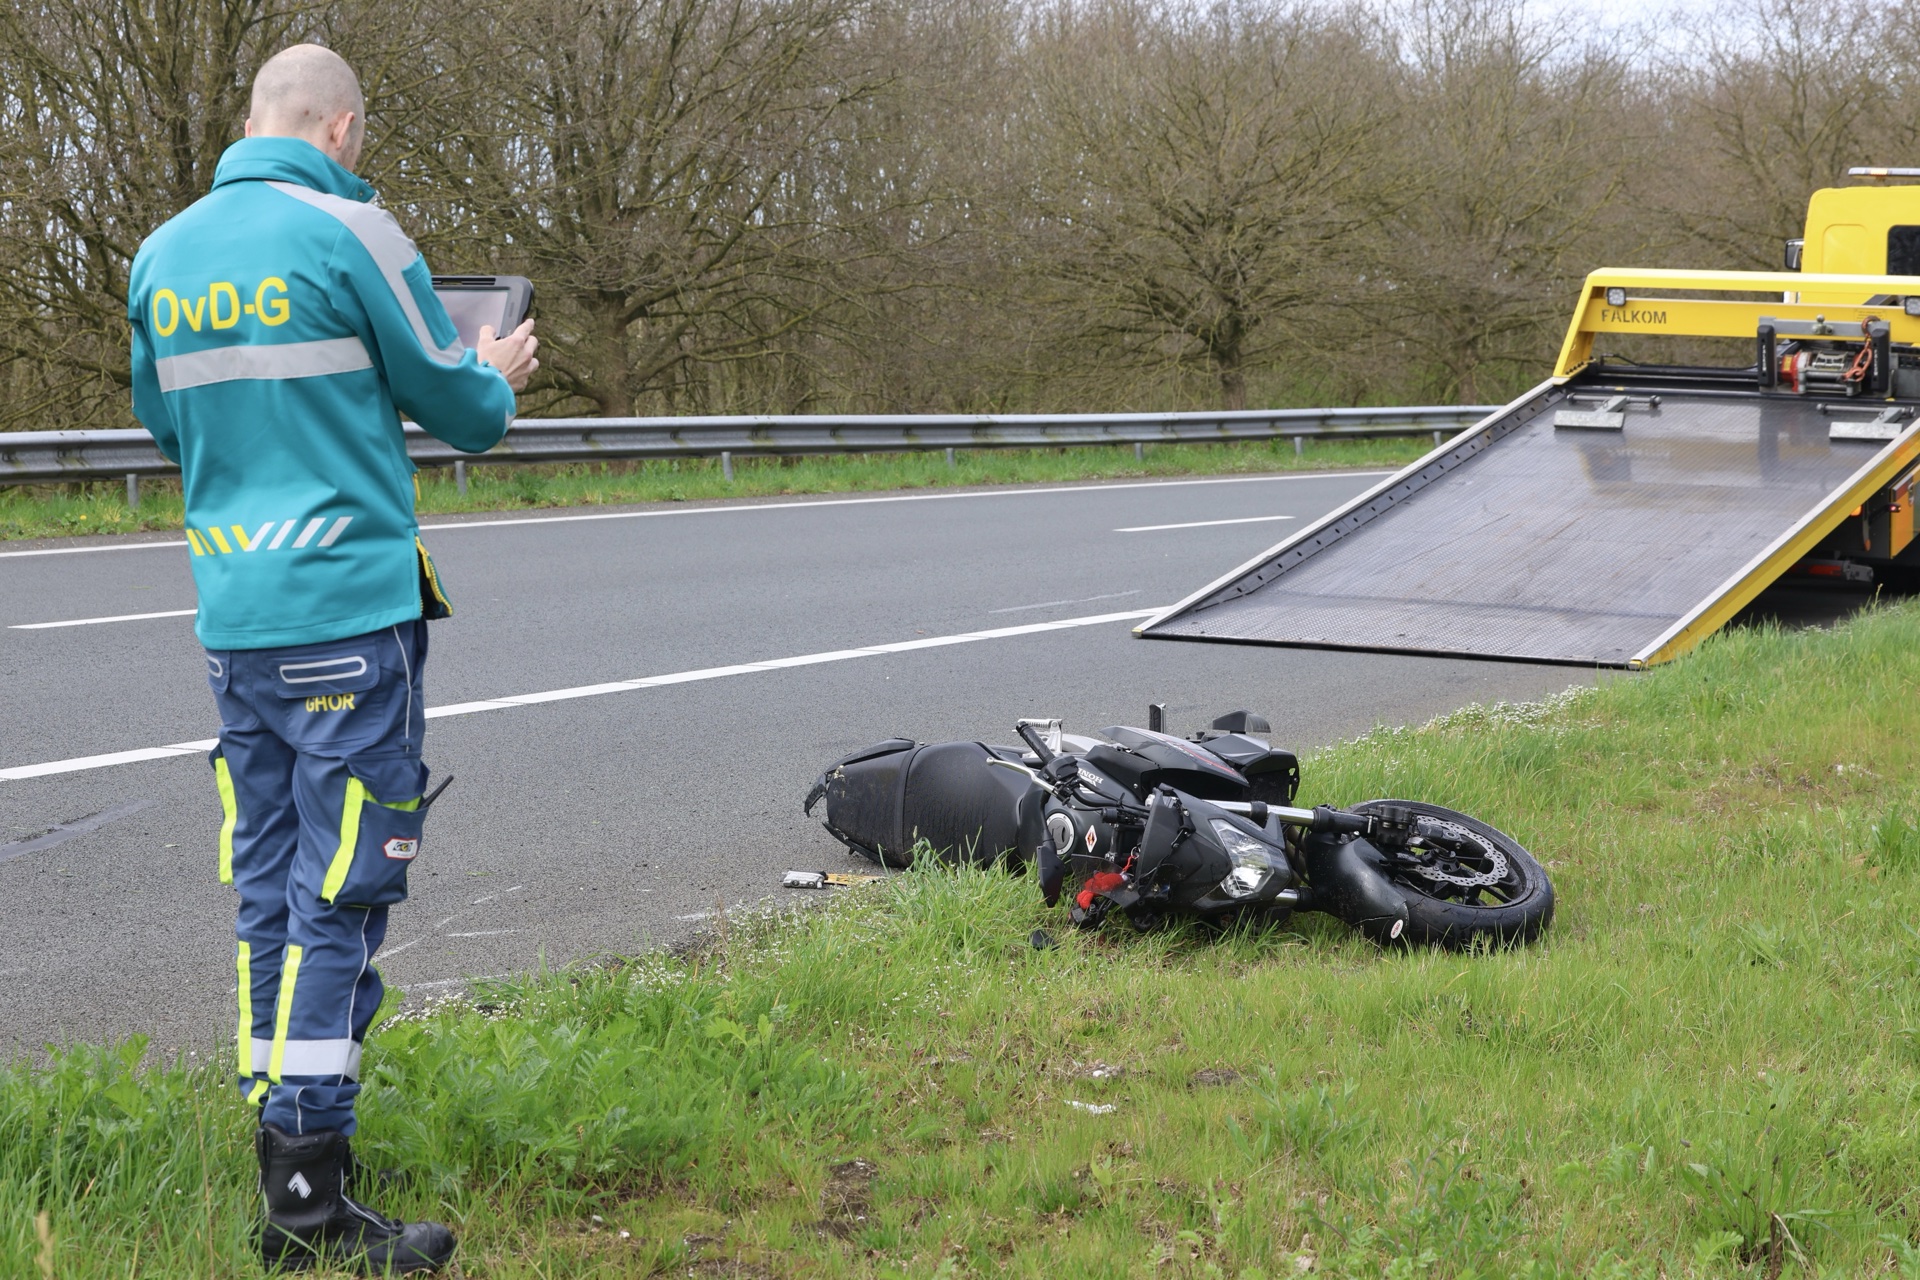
(1427, 870)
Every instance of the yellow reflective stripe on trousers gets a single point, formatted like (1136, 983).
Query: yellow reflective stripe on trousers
(258, 1092)
(244, 1054)
(349, 838)
(230, 807)
(283, 1015)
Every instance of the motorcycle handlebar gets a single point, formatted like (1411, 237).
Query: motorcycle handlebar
(1032, 738)
(1294, 817)
(1320, 819)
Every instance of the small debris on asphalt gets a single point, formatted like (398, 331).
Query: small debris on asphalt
(824, 879)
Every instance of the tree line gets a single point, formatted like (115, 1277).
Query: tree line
(757, 206)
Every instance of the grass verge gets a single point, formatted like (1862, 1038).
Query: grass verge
(1710, 1068)
(55, 511)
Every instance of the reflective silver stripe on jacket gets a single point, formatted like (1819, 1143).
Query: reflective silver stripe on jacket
(279, 360)
(392, 252)
(310, 1058)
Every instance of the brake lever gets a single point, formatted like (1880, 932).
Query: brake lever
(1033, 776)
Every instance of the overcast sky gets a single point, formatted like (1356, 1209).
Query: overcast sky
(1659, 19)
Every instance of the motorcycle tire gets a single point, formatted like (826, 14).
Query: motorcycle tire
(1516, 908)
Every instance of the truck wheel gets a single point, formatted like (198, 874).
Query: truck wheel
(1498, 892)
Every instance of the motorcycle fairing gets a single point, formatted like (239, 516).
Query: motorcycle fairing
(1190, 768)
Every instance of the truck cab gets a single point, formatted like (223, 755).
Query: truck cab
(1869, 230)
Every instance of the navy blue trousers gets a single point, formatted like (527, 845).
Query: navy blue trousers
(321, 787)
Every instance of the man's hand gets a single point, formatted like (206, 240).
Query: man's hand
(511, 355)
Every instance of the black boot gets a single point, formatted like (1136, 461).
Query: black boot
(311, 1219)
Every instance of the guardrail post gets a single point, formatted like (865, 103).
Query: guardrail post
(133, 490)
(1139, 451)
(460, 478)
(1299, 446)
(1436, 439)
(726, 465)
(949, 456)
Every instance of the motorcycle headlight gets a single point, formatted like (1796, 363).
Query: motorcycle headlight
(1252, 861)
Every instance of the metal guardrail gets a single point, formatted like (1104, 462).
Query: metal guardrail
(50, 457)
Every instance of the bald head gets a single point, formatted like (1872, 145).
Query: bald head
(311, 93)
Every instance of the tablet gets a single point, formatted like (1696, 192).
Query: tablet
(472, 301)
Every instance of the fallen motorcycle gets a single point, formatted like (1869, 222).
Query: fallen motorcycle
(1150, 825)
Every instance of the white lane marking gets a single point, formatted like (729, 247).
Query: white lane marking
(78, 551)
(775, 664)
(21, 772)
(90, 622)
(388, 953)
(898, 497)
(773, 506)
(1200, 524)
(1052, 604)
(78, 763)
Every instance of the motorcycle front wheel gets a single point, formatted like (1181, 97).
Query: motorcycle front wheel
(1494, 890)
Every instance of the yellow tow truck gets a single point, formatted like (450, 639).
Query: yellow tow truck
(1622, 511)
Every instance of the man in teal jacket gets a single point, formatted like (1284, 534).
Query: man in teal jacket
(281, 326)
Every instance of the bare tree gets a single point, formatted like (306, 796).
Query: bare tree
(1514, 151)
(1200, 173)
(1780, 111)
(665, 171)
(112, 117)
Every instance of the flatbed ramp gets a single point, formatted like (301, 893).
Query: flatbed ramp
(1621, 537)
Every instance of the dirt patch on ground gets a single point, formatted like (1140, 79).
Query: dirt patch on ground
(1214, 1077)
(732, 1269)
(846, 1201)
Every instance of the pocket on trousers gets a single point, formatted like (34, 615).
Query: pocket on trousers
(381, 818)
(332, 695)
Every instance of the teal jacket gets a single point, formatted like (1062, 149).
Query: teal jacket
(281, 325)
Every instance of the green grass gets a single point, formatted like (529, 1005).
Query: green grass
(1710, 1067)
(63, 511)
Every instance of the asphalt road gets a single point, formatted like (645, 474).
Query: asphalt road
(611, 820)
